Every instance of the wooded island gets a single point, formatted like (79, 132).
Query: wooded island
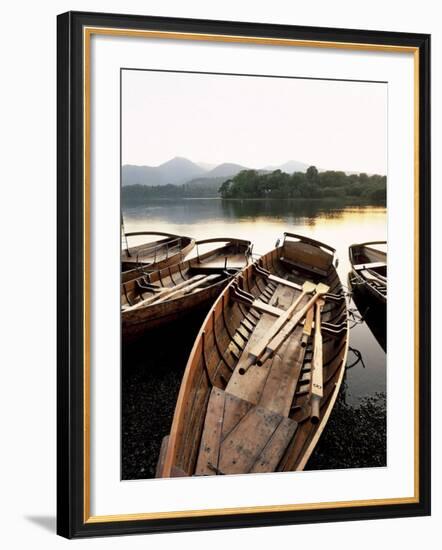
(255, 184)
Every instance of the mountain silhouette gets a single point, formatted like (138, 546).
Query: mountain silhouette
(181, 170)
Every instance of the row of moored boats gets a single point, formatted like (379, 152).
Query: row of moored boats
(267, 365)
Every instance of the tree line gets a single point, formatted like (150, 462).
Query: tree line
(137, 193)
(309, 185)
(253, 184)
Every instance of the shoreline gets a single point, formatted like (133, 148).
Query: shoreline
(348, 202)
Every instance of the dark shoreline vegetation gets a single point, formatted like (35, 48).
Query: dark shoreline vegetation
(252, 184)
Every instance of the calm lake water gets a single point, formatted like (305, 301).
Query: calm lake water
(263, 222)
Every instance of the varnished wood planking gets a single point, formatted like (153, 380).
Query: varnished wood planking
(272, 453)
(163, 449)
(211, 437)
(244, 444)
(235, 410)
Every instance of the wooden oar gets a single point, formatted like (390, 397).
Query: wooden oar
(278, 340)
(165, 292)
(307, 327)
(256, 350)
(316, 387)
(187, 289)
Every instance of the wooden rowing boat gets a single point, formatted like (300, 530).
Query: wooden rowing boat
(165, 295)
(270, 417)
(369, 270)
(156, 254)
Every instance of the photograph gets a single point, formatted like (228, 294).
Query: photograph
(253, 273)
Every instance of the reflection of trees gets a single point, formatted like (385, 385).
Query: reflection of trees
(178, 211)
(294, 209)
(355, 436)
(182, 211)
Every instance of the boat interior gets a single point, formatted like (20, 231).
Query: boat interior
(232, 417)
(204, 270)
(369, 262)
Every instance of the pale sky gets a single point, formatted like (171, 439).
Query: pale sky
(253, 121)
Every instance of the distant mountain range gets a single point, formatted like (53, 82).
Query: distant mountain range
(176, 171)
(179, 170)
(289, 167)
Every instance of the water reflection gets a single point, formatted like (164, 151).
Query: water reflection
(216, 209)
(294, 211)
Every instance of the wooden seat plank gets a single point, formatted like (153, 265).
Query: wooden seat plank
(261, 306)
(234, 261)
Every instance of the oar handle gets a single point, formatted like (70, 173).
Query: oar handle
(315, 409)
(307, 327)
(316, 387)
(247, 364)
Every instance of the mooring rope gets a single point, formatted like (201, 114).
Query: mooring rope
(359, 359)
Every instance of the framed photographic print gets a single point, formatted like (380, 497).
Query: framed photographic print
(231, 349)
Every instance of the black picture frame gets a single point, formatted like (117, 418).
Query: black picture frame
(71, 519)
